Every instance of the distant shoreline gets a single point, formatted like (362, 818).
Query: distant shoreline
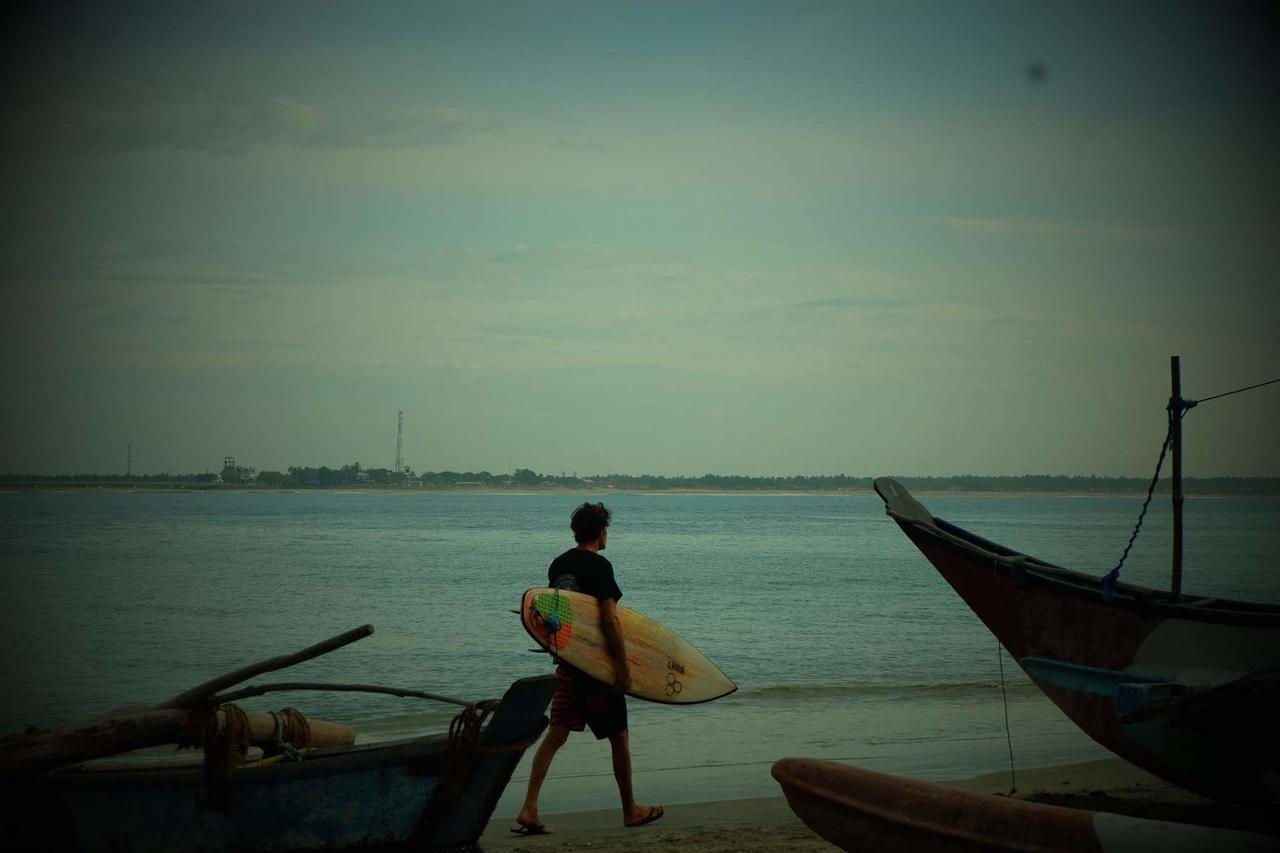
(56, 486)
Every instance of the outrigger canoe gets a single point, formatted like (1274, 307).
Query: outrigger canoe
(423, 793)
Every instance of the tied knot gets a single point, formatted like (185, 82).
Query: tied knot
(292, 732)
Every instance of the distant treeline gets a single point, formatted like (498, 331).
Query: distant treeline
(353, 475)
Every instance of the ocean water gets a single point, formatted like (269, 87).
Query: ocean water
(844, 641)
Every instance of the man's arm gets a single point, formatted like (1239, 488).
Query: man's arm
(611, 626)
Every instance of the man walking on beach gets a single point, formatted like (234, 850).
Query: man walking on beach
(580, 700)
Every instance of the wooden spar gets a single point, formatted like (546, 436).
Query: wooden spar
(1175, 429)
(93, 739)
(321, 733)
(260, 689)
(135, 726)
(102, 737)
(198, 694)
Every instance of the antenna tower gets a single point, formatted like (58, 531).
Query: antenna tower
(399, 443)
(128, 463)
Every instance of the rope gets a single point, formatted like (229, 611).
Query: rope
(225, 747)
(464, 729)
(1191, 403)
(1110, 578)
(290, 733)
(1013, 779)
(229, 735)
(464, 743)
(298, 725)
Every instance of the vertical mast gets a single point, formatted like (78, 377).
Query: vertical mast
(1175, 430)
(399, 442)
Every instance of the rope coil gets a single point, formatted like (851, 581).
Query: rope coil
(291, 733)
(464, 743)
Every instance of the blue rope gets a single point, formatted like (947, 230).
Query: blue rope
(283, 746)
(1110, 578)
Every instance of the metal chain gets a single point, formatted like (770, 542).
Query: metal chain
(1109, 580)
(1183, 406)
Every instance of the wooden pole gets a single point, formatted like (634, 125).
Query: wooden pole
(324, 733)
(1175, 429)
(198, 694)
(260, 689)
(94, 739)
(135, 726)
(100, 738)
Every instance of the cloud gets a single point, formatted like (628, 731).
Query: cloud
(120, 116)
(1122, 232)
(867, 301)
(581, 146)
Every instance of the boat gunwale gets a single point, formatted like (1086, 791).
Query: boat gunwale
(1080, 585)
(928, 825)
(317, 762)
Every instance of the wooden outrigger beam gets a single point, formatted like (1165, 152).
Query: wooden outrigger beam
(199, 694)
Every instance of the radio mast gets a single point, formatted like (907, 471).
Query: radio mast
(399, 443)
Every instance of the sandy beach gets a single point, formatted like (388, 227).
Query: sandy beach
(767, 823)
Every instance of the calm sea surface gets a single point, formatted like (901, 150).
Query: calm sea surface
(844, 641)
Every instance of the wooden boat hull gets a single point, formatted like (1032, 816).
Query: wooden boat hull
(858, 809)
(406, 794)
(1187, 690)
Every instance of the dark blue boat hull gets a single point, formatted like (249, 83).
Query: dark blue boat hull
(410, 794)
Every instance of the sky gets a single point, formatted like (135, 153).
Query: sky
(671, 238)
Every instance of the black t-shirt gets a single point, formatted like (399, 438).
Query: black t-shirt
(586, 572)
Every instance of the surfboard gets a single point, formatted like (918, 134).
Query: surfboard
(664, 666)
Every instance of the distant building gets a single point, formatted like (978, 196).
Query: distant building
(235, 474)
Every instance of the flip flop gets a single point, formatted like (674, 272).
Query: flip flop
(531, 829)
(655, 812)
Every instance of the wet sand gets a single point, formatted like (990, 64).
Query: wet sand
(768, 824)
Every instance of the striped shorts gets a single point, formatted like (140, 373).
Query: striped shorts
(582, 701)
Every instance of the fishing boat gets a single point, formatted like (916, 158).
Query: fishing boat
(1188, 688)
(858, 809)
(432, 792)
(423, 793)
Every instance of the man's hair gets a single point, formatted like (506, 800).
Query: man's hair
(589, 521)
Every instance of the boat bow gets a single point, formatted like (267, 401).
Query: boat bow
(1186, 689)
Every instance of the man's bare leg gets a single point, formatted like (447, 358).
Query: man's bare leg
(632, 813)
(555, 738)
